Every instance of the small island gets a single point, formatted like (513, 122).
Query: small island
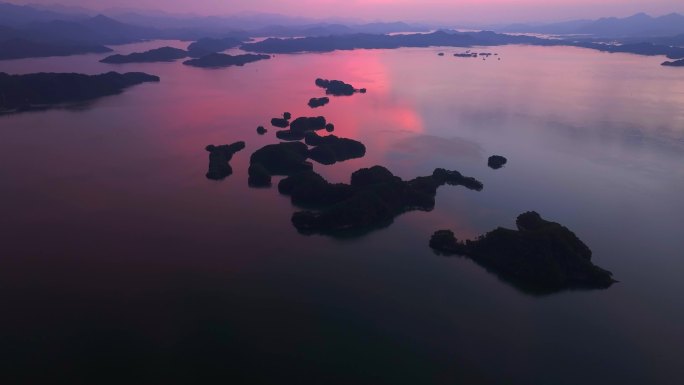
(46, 90)
(372, 200)
(337, 87)
(318, 102)
(219, 156)
(303, 124)
(331, 149)
(280, 122)
(300, 126)
(206, 46)
(291, 157)
(220, 60)
(164, 54)
(496, 162)
(539, 257)
(676, 63)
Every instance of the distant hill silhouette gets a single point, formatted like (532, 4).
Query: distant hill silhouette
(17, 15)
(355, 41)
(46, 33)
(327, 29)
(95, 30)
(17, 48)
(55, 30)
(192, 27)
(206, 46)
(638, 25)
(442, 38)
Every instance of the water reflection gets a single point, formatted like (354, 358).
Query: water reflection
(112, 236)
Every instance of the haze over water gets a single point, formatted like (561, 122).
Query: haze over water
(117, 246)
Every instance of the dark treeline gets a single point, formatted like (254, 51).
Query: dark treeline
(219, 60)
(43, 90)
(164, 54)
(443, 39)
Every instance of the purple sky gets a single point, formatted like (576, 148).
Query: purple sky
(475, 11)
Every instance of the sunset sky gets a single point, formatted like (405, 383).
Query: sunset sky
(475, 11)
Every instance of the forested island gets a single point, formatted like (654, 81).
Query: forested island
(163, 54)
(45, 90)
(219, 60)
(373, 199)
(540, 256)
(318, 102)
(219, 158)
(206, 46)
(338, 87)
(676, 63)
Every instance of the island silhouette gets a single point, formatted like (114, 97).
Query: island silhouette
(48, 90)
(539, 257)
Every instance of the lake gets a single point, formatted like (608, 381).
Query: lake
(121, 263)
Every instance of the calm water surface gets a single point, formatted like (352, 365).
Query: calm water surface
(121, 263)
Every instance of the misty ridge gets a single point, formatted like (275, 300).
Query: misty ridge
(42, 31)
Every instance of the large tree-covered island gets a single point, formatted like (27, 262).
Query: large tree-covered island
(45, 90)
(372, 200)
(540, 256)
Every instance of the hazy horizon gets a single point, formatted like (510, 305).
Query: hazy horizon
(442, 11)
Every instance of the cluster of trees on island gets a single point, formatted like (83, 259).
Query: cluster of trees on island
(539, 257)
(676, 63)
(202, 58)
(44, 90)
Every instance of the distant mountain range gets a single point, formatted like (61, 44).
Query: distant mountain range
(639, 25)
(158, 24)
(35, 31)
(12, 15)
